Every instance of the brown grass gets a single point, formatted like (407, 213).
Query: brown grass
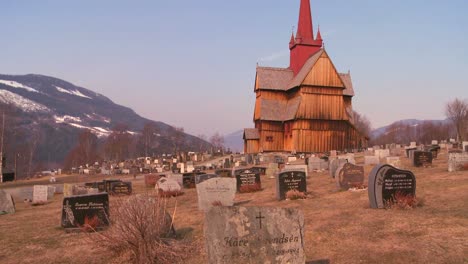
(340, 227)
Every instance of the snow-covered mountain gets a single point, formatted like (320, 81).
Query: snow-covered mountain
(59, 110)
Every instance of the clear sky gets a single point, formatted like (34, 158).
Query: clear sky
(192, 63)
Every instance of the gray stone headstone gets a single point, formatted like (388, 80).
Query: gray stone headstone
(458, 162)
(50, 192)
(168, 185)
(334, 164)
(218, 191)
(7, 205)
(40, 194)
(272, 170)
(254, 235)
(371, 160)
(179, 178)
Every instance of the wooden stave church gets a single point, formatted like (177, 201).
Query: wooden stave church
(307, 107)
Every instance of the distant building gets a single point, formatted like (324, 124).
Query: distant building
(306, 107)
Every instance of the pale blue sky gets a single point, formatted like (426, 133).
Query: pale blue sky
(192, 63)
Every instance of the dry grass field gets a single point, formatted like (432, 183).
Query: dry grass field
(340, 226)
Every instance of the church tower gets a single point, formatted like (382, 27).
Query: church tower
(304, 44)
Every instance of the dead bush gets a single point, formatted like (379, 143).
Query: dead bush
(250, 188)
(404, 201)
(169, 194)
(295, 195)
(141, 226)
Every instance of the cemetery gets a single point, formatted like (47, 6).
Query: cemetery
(307, 188)
(269, 224)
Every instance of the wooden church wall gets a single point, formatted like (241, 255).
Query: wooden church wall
(323, 74)
(251, 146)
(323, 135)
(316, 106)
(271, 136)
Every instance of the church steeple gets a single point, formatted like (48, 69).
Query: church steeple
(304, 45)
(304, 27)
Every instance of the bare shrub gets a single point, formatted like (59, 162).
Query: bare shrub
(295, 195)
(250, 188)
(404, 201)
(142, 227)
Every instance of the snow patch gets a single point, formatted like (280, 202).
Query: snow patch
(25, 104)
(75, 92)
(98, 131)
(18, 85)
(66, 118)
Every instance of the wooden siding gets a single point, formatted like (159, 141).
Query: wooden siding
(273, 130)
(251, 146)
(323, 136)
(321, 90)
(315, 106)
(323, 74)
(258, 106)
(272, 95)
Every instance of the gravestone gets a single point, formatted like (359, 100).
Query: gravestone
(422, 158)
(407, 151)
(394, 161)
(7, 205)
(218, 191)
(224, 173)
(290, 180)
(166, 185)
(458, 162)
(349, 175)
(254, 235)
(107, 184)
(272, 170)
(298, 167)
(90, 209)
(334, 164)
(121, 188)
(67, 190)
(204, 177)
(247, 180)
(387, 182)
(434, 142)
(465, 146)
(40, 193)
(261, 170)
(50, 192)
(382, 153)
(189, 179)
(179, 178)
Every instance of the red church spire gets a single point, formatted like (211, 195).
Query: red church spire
(304, 27)
(319, 36)
(305, 45)
(292, 41)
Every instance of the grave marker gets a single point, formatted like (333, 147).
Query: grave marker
(334, 164)
(458, 162)
(7, 205)
(80, 211)
(121, 188)
(387, 182)
(247, 180)
(40, 194)
(218, 191)
(349, 175)
(422, 158)
(290, 180)
(254, 235)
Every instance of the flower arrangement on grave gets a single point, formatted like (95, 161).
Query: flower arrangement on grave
(295, 195)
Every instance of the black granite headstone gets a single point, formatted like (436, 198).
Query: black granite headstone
(422, 158)
(224, 173)
(387, 182)
(82, 210)
(121, 188)
(349, 175)
(203, 177)
(247, 180)
(261, 170)
(107, 184)
(290, 180)
(189, 179)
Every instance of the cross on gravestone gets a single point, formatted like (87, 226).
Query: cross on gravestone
(260, 217)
